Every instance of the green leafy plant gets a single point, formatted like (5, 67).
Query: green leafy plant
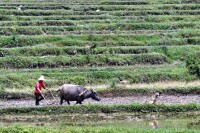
(193, 65)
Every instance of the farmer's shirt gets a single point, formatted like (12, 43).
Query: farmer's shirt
(39, 85)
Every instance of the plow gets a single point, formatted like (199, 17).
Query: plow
(49, 103)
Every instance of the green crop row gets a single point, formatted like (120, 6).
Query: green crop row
(100, 109)
(176, 52)
(135, 13)
(146, 2)
(42, 51)
(43, 30)
(123, 91)
(114, 13)
(93, 40)
(171, 68)
(37, 23)
(136, 8)
(82, 2)
(57, 17)
(173, 52)
(21, 78)
(144, 13)
(81, 60)
(143, 26)
(153, 41)
(153, 18)
(91, 21)
(16, 41)
(110, 7)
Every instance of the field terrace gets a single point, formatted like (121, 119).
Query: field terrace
(96, 42)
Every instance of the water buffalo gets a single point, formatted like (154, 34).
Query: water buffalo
(70, 92)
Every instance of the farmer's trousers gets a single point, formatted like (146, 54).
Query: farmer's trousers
(38, 98)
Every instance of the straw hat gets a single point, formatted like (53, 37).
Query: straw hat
(41, 78)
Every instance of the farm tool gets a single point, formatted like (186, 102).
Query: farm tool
(46, 99)
(53, 97)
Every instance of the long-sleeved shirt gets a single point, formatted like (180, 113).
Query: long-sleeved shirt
(38, 86)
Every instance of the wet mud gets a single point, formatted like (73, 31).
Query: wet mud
(164, 99)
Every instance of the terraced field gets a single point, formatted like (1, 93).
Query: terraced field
(95, 42)
(99, 43)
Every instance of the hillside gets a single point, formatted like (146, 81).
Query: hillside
(96, 41)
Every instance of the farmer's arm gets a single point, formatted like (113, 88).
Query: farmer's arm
(44, 86)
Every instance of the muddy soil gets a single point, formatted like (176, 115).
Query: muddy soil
(164, 99)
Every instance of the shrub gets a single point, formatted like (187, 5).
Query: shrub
(193, 65)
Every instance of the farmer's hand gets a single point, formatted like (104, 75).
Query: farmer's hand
(47, 90)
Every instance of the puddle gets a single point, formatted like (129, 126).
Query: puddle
(105, 120)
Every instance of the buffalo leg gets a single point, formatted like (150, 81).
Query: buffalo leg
(61, 101)
(78, 102)
(68, 102)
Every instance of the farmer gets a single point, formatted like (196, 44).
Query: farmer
(38, 86)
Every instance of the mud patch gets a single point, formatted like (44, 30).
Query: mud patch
(163, 99)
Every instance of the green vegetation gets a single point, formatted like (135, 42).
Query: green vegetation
(193, 64)
(71, 129)
(98, 42)
(86, 75)
(143, 108)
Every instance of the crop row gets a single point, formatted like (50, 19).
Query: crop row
(39, 30)
(174, 52)
(145, 42)
(81, 60)
(55, 77)
(38, 23)
(179, 67)
(85, 41)
(88, 18)
(42, 51)
(100, 109)
(82, 2)
(82, 22)
(141, 35)
(110, 7)
(95, 21)
(114, 13)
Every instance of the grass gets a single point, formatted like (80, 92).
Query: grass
(42, 30)
(89, 18)
(173, 52)
(82, 60)
(81, 109)
(72, 129)
(179, 38)
(110, 7)
(89, 75)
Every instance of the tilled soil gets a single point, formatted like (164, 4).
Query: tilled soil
(164, 99)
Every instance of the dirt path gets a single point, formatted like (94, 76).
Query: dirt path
(164, 99)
